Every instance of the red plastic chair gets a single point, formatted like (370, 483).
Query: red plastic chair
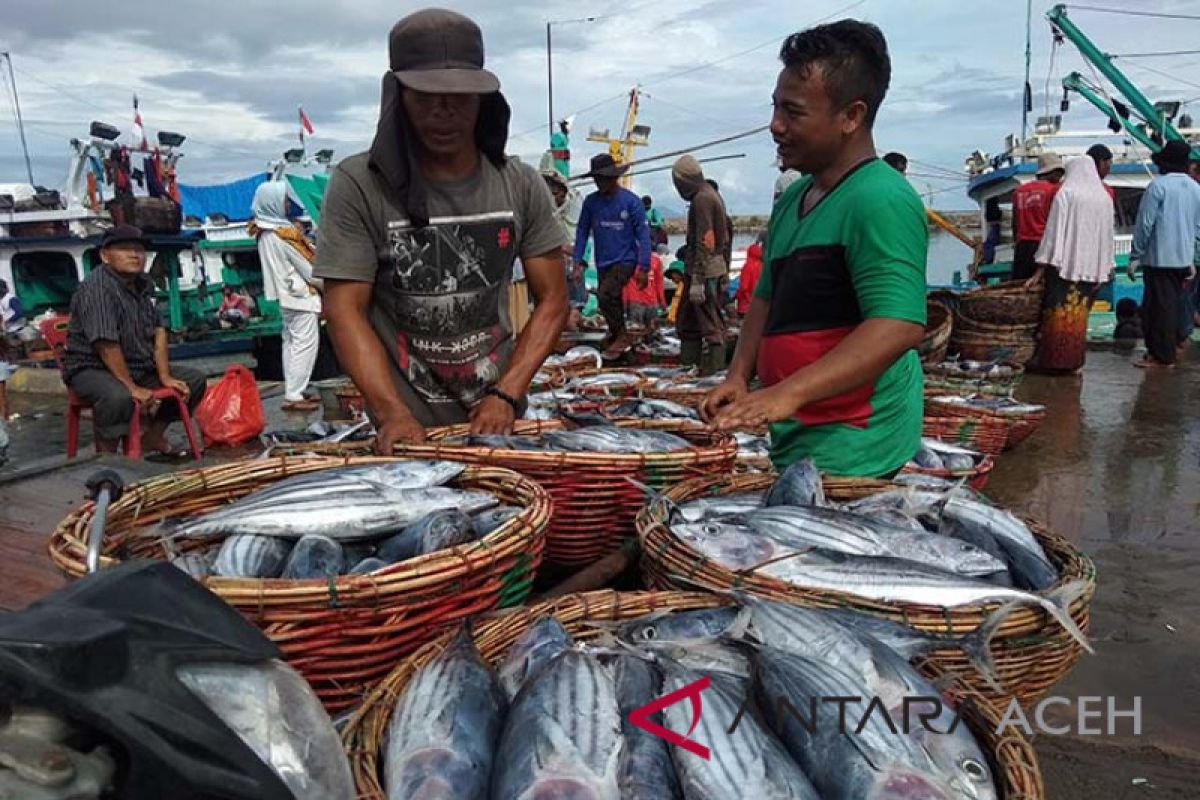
(54, 331)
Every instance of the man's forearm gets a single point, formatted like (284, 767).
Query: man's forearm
(162, 358)
(859, 359)
(114, 360)
(745, 357)
(535, 343)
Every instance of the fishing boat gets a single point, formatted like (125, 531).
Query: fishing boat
(1137, 129)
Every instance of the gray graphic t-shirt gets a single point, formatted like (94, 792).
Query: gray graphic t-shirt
(440, 299)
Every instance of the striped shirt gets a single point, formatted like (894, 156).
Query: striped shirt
(107, 308)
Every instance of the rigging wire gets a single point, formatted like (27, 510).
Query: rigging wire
(1166, 75)
(1155, 55)
(1161, 15)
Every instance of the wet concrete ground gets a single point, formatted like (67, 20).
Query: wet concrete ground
(1115, 469)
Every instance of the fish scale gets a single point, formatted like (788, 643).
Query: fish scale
(746, 763)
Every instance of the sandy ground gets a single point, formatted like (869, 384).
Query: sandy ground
(1116, 469)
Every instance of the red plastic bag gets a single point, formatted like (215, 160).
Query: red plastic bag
(231, 412)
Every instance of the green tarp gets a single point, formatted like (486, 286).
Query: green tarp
(309, 190)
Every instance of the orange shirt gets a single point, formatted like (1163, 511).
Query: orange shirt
(653, 295)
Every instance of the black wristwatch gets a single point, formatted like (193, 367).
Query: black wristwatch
(495, 391)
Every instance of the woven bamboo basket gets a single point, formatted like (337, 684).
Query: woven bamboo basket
(956, 380)
(1003, 303)
(1020, 426)
(976, 477)
(1011, 756)
(989, 436)
(596, 495)
(969, 326)
(938, 325)
(987, 348)
(1031, 651)
(346, 633)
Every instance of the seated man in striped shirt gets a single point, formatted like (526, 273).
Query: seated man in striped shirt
(117, 347)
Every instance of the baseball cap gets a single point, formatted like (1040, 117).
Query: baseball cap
(439, 52)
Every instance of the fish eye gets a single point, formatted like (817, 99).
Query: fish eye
(975, 771)
(649, 634)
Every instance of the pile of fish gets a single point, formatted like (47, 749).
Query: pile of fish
(935, 454)
(576, 356)
(976, 369)
(606, 384)
(346, 520)
(1003, 406)
(921, 546)
(559, 719)
(320, 432)
(598, 435)
(689, 384)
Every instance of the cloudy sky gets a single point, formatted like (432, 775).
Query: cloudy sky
(230, 74)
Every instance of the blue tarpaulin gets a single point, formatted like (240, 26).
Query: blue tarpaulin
(231, 199)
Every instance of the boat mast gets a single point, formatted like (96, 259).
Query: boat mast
(1027, 94)
(20, 122)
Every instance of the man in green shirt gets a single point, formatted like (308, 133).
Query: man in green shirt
(655, 222)
(840, 306)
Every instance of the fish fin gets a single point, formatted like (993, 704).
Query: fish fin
(654, 495)
(976, 645)
(1060, 600)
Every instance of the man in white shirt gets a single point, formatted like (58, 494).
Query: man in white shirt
(286, 258)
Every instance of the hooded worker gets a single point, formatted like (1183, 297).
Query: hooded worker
(701, 318)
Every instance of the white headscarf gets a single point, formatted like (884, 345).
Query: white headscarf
(1079, 232)
(270, 205)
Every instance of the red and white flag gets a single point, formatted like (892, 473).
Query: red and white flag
(305, 124)
(139, 132)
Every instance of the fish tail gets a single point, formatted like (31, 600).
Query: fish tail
(654, 495)
(1060, 600)
(977, 645)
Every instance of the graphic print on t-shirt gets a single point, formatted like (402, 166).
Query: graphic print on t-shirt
(448, 279)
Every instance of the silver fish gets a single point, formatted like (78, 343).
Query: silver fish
(869, 762)
(923, 481)
(368, 565)
(487, 522)
(562, 737)
(727, 505)
(894, 580)
(747, 763)
(249, 555)
(611, 439)
(314, 557)
(349, 515)
(799, 527)
(437, 530)
(197, 564)
(651, 408)
(847, 640)
(1026, 553)
(536, 647)
(735, 546)
(646, 771)
(799, 485)
(678, 626)
(444, 730)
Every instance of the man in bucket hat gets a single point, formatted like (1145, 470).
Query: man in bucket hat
(117, 347)
(1164, 244)
(1031, 208)
(418, 240)
(615, 219)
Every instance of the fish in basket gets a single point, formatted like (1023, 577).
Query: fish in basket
(588, 696)
(941, 559)
(347, 564)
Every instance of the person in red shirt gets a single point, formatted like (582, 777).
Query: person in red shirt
(1031, 208)
(645, 296)
(749, 278)
(235, 307)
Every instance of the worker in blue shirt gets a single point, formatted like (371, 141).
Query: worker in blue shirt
(1164, 244)
(616, 221)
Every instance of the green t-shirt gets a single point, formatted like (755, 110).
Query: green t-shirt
(858, 254)
(654, 218)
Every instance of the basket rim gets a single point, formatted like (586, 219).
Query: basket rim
(495, 633)
(521, 534)
(657, 540)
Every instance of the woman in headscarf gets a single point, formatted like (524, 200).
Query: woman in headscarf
(1074, 259)
(286, 257)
